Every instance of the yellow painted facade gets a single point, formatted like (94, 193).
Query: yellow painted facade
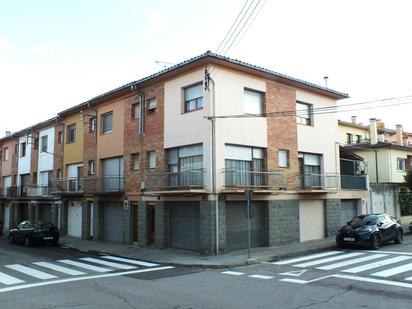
(73, 152)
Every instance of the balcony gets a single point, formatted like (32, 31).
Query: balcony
(90, 185)
(354, 182)
(172, 181)
(25, 192)
(264, 180)
(320, 181)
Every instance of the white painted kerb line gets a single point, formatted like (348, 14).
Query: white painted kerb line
(327, 260)
(61, 269)
(31, 272)
(85, 266)
(107, 263)
(351, 262)
(307, 257)
(130, 261)
(7, 280)
(44, 283)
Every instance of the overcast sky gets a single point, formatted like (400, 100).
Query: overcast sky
(56, 54)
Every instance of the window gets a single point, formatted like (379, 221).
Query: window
(135, 161)
(6, 154)
(310, 169)
(107, 122)
(93, 124)
(253, 102)
(151, 155)
(358, 139)
(283, 158)
(400, 166)
(185, 166)
(136, 111)
(92, 167)
(304, 112)
(349, 138)
(60, 137)
(151, 104)
(193, 97)
(71, 133)
(23, 150)
(44, 143)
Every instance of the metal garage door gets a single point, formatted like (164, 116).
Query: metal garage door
(74, 219)
(349, 210)
(45, 212)
(237, 225)
(113, 221)
(6, 226)
(311, 219)
(185, 226)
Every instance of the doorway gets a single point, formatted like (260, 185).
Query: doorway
(135, 224)
(151, 223)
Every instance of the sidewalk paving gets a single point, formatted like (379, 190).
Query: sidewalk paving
(194, 259)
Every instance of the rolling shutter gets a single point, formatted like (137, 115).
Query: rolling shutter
(185, 226)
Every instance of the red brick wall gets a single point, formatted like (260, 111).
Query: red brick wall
(58, 150)
(152, 140)
(89, 142)
(34, 143)
(282, 131)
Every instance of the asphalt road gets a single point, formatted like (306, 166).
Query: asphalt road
(331, 279)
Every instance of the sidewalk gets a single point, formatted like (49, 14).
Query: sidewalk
(194, 259)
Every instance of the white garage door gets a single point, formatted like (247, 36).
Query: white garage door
(311, 220)
(349, 210)
(74, 219)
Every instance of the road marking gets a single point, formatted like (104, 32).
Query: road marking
(107, 263)
(390, 252)
(295, 273)
(130, 261)
(261, 277)
(31, 272)
(307, 257)
(393, 271)
(44, 283)
(233, 273)
(351, 262)
(377, 264)
(304, 281)
(6, 279)
(64, 270)
(85, 266)
(327, 260)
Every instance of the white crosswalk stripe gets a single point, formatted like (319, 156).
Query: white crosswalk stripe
(85, 266)
(393, 271)
(330, 259)
(377, 264)
(307, 257)
(107, 263)
(351, 262)
(31, 271)
(64, 270)
(130, 261)
(7, 280)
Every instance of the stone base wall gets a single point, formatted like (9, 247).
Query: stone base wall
(283, 227)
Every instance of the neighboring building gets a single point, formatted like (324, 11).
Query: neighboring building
(165, 160)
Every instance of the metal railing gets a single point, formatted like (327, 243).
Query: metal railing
(73, 185)
(192, 179)
(320, 181)
(253, 179)
(354, 182)
(25, 191)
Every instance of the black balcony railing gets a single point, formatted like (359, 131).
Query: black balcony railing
(192, 179)
(354, 182)
(253, 179)
(74, 185)
(25, 191)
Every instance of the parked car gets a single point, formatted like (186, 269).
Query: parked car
(30, 232)
(369, 230)
(410, 227)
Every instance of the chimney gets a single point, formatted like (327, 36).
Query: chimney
(8, 133)
(354, 119)
(373, 131)
(399, 134)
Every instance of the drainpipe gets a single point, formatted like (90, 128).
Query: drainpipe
(140, 94)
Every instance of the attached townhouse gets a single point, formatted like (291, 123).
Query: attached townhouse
(165, 160)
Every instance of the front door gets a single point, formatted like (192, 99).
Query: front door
(151, 223)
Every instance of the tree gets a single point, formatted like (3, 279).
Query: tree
(408, 179)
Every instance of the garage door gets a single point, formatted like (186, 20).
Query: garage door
(349, 210)
(311, 220)
(45, 212)
(113, 221)
(237, 225)
(74, 219)
(185, 226)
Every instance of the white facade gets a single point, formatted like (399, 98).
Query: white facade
(24, 161)
(45, 158)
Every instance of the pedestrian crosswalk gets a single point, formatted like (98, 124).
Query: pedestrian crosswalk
(391, 265)
(20, 274)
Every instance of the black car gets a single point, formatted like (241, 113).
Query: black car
(30, 232)
(369, 230)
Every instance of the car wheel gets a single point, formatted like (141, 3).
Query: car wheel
(11, 239)
(340, 245)
(27, 241)
(55, 242)
(398, 237)
(375, 242)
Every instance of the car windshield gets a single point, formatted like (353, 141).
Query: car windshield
(363, 220)
(43, 224)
